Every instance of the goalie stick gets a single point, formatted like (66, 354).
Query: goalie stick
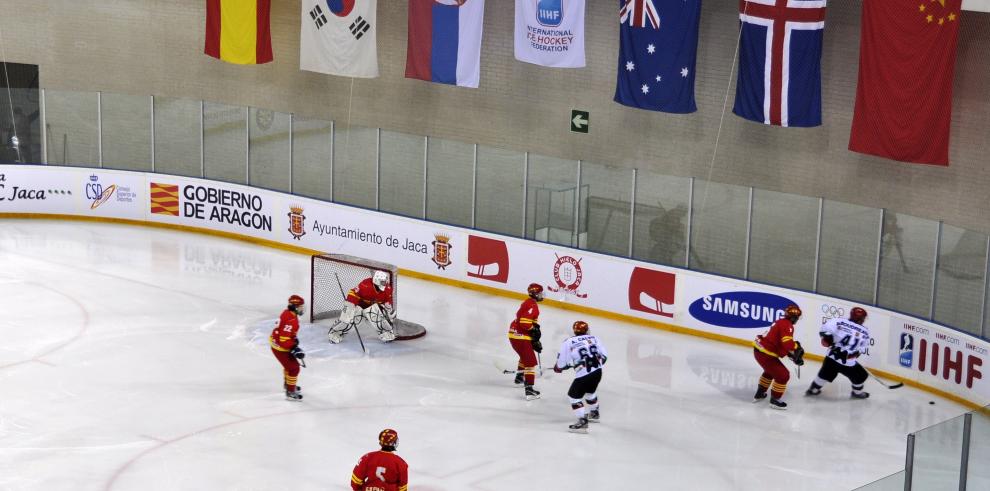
(358, 331)
(882, 382)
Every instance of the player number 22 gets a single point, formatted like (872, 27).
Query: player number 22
(589, 356)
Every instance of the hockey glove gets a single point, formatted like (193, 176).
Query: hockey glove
(838, 354)
(557, 369)
(535, 333)
(827, 340)
(537, 346)
(797, 355)
(297, 352)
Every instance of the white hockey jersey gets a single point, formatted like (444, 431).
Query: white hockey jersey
(585, 353)
(847, 335)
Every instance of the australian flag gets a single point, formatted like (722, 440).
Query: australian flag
(780, 62)
(657, 51)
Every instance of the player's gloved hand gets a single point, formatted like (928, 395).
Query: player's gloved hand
(537, 346)
(826, 339)
(557, 369)
(297, 352)
(838, 353)
(797, 355)
(535, 333)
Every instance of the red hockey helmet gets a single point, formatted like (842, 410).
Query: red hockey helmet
(388, 438)
(792, 313)
(296, 300)
(535, 291)
(580, 328)
(857, 315)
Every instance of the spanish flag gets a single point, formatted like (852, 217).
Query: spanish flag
(239, 31)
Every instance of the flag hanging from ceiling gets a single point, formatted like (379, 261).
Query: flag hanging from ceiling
(780, 62)
(658, 45)
(239, 31)
(444, 43)
(339, 37)
(907, 59)
(550, 32)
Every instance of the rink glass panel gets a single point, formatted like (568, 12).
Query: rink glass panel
(907, 256)
(960, 278)
(499, 202)
(718, 228)
(225, 142)
(72, 124)
(893, 482)
(937, 456)
(551, 188)
(20, 114)
(126, 132)
(400, 185)
(355, 154)
(450, 182)
(660, 228)
(783, 243)
(603, 220)
(848, 258)
(311, 152)
(178, 137)
(978, 472)
(268, 149)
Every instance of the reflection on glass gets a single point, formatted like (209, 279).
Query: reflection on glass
(355, 158)
(450, 186)
(937, 456)
(177, 136)
(718, 229)
(401, 177)
(785, 228)
(551, 188)
(606, 193)
(225, 142)
(660, 232)
(847, 263)
(311, 151)
(907, 254)
(268, 149)
(959, 285)
(71, 121)
(500, 190)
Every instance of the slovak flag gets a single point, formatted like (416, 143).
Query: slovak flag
(444, 43)
(780, 62)
(658, 45)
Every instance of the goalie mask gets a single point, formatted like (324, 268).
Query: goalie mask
(380, 280)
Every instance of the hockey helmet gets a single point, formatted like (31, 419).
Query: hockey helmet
(792, 313)
(296, 300)
(380, 279)
(535, 291)
(388, 438)
(857, 315)
(580, 328)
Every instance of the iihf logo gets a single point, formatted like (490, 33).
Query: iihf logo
(297, 222)
(906, 358)
(549, 13)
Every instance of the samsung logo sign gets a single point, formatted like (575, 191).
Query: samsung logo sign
(741, 310)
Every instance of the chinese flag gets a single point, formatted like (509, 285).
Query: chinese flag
(906, 64)
(239, 31)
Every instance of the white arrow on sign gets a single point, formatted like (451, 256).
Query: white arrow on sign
(578, 122)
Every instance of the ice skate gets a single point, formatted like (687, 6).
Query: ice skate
(760, 395)
(286, 387)
(293, 395)
(519, 378)
(777, 404)
(386, 336)
(814, 390)
(859, 395)
(594, 417)
(580, 427)
(532, 393)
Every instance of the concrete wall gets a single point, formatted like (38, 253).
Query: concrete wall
(155, 47)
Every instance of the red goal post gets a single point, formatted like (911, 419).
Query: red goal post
(332, 275)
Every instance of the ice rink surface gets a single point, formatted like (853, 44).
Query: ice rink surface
(137, 359)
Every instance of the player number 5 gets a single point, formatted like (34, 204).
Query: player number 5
(380, 473)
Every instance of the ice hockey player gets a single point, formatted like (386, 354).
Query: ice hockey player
(285, 346)
(372, 300)
(586, 354)
(381, 470)
(524, 336)
(845, 340)
(769, 348)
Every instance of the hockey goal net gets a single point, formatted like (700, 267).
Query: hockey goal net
(332, 275)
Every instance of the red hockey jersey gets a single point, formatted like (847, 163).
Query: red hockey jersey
(526, 316)
(778, 341)
(283, 337)
(366, 294)
(380, 471)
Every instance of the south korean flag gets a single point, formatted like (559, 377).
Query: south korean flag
(339, 37)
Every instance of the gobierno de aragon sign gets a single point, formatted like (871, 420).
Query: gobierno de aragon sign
(202, 202)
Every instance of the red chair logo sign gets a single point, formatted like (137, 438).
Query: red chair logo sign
(652, 292)
(489, 259)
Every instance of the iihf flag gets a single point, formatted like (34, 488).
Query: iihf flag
(444, 42)
(338, 37)
(658, 47)
(780, 62)
(550, 32)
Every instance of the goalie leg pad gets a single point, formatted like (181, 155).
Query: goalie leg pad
(338, 331)
(350, 313)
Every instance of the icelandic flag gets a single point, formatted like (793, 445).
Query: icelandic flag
(780, 62)
(444, 44)
(658, 47)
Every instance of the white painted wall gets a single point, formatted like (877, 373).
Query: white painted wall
(977, 5)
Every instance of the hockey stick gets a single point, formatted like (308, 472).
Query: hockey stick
(882, 382)
(358, 331)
